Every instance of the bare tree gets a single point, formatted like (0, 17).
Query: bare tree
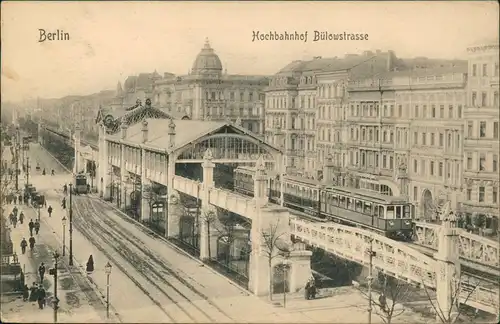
(392, 292)
(461, 291)
(273, 247)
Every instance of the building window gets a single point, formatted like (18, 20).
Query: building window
(482, 162)
(242, 95)
(450, 112)
(432, 168)
(482, 129)
(474, 70)
(416, 111)
(432, 139)
(469, 129)
(440, 169)
(484, 102)
(448, 170)
(459, 111)
(441, 111)
(449, 141)
(433, 111)
(424, 113)
(250, 96)
(415, 193)
(481, 194)
(495, 130)
(485, 69)
(441, 139)
(469, 161)
(213, 95)
(495, 99)
(496, 69)
(415, 138)
(415, 166)
(469, 194)
(474, 98)
(384, 161)
(424, 137)
(495, 163)
(400, 110)
(231, 95)
(495, 195)
(391, 163)
(422, 167)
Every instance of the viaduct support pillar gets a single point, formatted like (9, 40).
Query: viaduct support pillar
(448, 272)
(208, 214)
(123, 172)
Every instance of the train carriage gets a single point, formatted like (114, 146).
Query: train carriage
(387, 215)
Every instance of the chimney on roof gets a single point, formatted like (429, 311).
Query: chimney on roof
(124, 131)
(171, 134)
(145, 131)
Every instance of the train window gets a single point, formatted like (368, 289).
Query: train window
(359, 206)
(399, 212)
(350, 203)
(368, 208)
(335, 200)
(389, 214)
(342, 201)
(407, 211)
(380, 211)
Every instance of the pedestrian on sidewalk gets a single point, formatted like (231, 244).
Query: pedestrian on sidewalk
(37, 226)
(65, 189)
(21, 199)
(14, 221)
(41, 297)
(31, 225)
(41, 272)
(49, 210)
(32, 243)
(90, 264)
(15, 200)
(33, 292)
(14, 211)
(21, 218)
(26, 292)
(63, 205)
(24, 244)
(11, 218)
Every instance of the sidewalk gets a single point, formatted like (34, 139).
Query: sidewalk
(73, 306)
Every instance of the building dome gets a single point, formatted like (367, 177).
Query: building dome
(207, 60)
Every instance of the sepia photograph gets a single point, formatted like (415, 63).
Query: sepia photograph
(250, 162)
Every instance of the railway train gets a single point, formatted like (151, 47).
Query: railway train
(80, 184)
(386, 215)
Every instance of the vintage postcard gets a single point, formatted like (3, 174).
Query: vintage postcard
(249, 162)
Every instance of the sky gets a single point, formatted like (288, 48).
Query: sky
(112, 40)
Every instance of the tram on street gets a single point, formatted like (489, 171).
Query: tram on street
(80, 183)
(386, 215)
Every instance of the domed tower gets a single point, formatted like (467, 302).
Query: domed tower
(207, 62)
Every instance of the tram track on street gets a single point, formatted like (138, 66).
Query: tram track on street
(149, 265)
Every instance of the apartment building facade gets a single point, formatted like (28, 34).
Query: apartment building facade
(481, 145)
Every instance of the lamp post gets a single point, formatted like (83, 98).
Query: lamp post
(38, 205)
(71, 224)
(64, 235)
(371, 254)
(102, 189)
(27, 170)
(107, 269)
(54, 273)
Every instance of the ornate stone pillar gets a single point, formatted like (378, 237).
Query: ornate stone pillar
(448, 262)
(328, 170)
(123, 172)
(260, 183)
(174, 210)
(206, 209)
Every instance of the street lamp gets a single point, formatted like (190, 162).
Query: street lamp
(64, 235)
(53, 272)
(71, 224)
(107, 269)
